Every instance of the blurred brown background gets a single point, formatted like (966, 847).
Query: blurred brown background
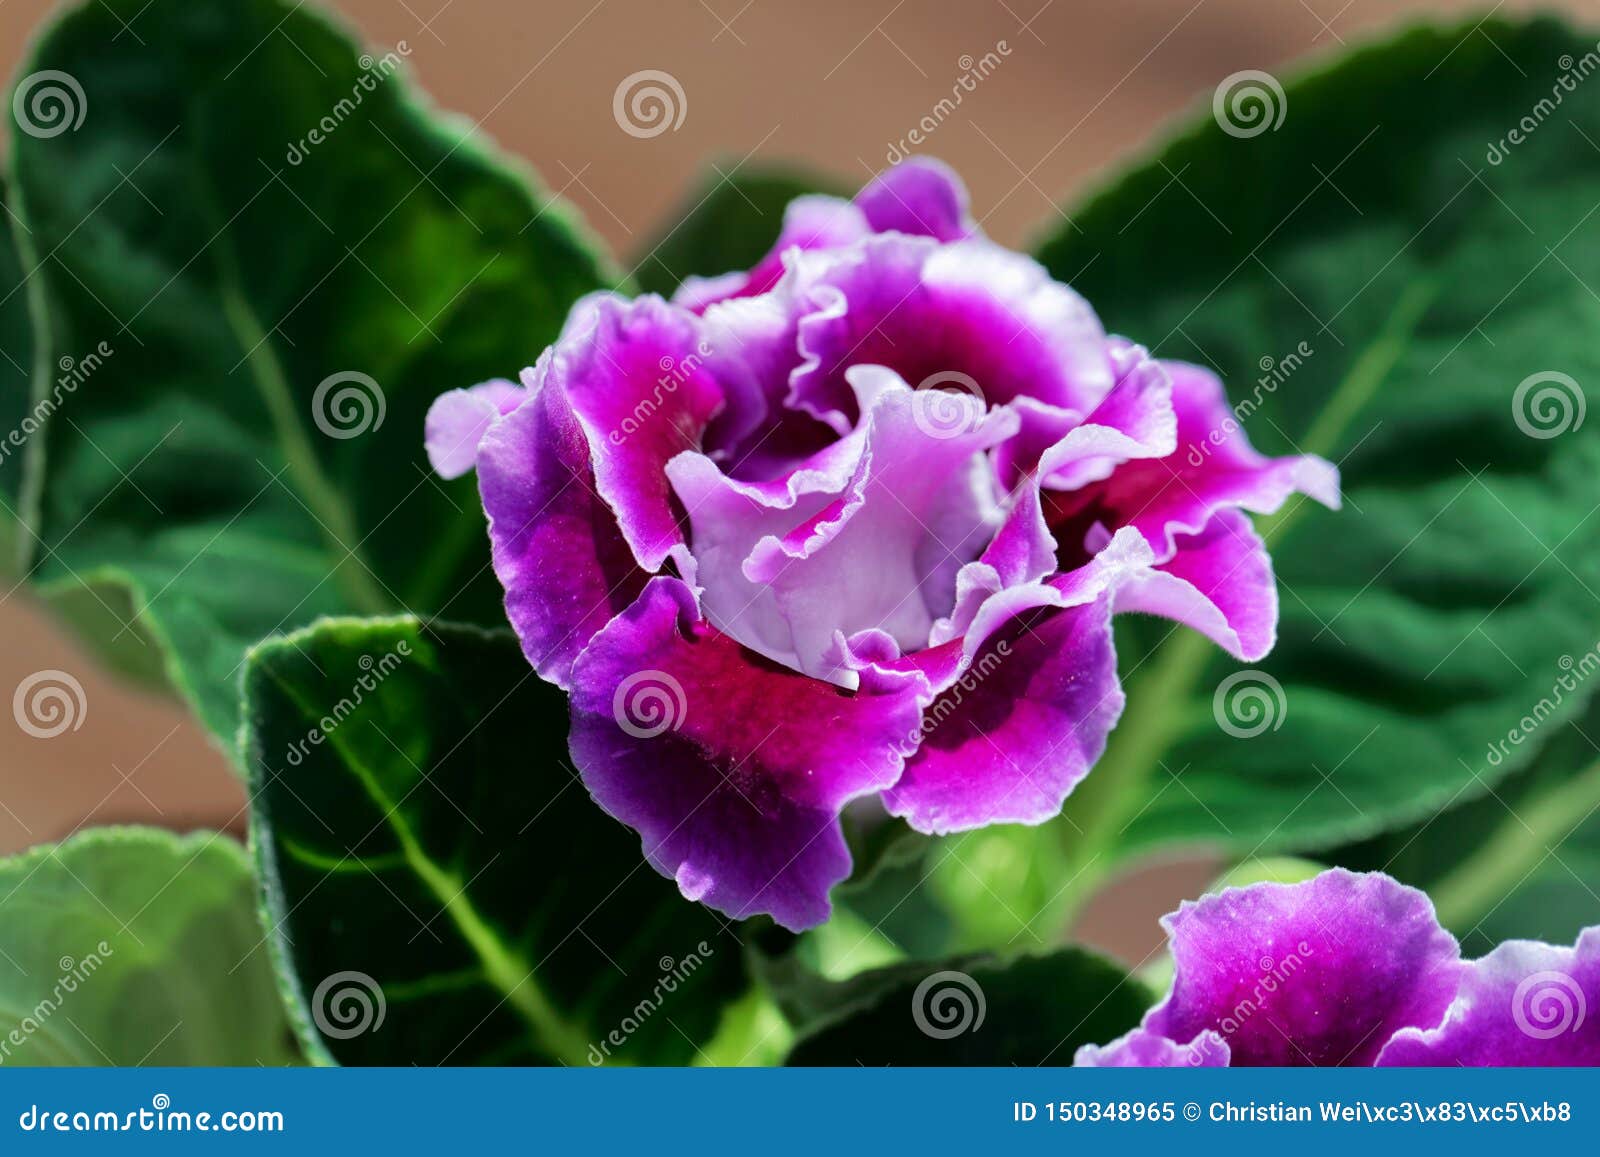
(832, 84)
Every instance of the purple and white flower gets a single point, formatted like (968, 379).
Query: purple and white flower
(1354, 969)
(804, 502)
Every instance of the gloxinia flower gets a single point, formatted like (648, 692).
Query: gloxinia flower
(1348, 969)
(854, 523)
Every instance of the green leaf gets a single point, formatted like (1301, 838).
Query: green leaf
(729, 223)
(1427, 285)
(1521, 861)
(421, 834)
(1033, 1010)
(247, 211)
(127, 946)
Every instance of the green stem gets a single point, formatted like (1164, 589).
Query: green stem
(1473, 888)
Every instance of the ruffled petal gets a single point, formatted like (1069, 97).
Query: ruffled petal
(554, 543)
(732, 770)
(1219, 582)
(1024, 712)
(1524, 1004)
(1142, 1049)
(1214, 468)
(1322, 972)
(968, 315)
(813, 222)
(644, 382)
(920, 196)
(458, 420)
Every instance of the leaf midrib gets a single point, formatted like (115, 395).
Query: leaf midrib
(507, 970)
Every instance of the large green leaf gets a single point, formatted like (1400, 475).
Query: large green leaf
(728, 224)
(246, 211)
(16, 375)
(1427, 284)
(126, 946)
(422, 836)
(1033, 1010)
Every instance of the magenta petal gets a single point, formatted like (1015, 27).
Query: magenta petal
(1022, 717)
(555, 545)
(458, 420)
(639, 377)
(732, 770)
(969, 316)
(920, 196)
(1219, 582)
(1214, 467)
(1524, 1004)
(813, 222)
(1322, 972)
(1142, 1049)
